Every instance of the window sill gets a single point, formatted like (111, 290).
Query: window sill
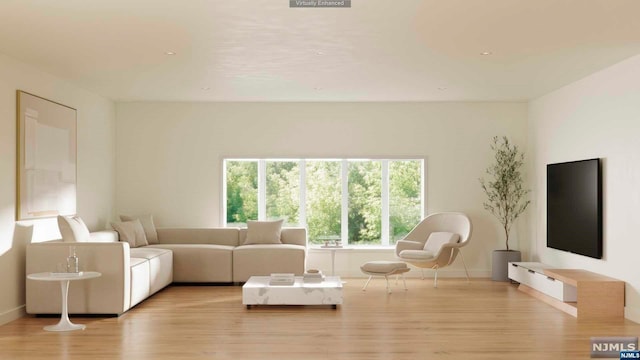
(369, 248)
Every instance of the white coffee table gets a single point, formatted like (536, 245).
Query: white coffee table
(257, 291)
(64, 324)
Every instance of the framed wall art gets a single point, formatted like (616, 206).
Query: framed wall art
(46, 173)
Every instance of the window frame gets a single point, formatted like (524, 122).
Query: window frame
(385, 195)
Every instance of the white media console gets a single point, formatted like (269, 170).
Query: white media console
(580, 293)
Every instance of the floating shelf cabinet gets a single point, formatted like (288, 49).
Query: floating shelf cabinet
(580, 293)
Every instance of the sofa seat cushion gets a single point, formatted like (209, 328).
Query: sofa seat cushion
(180, 247)
(160, 266)
(139, 290)
(200, 262)
(147, 252)
(133, 262)
(262, 260)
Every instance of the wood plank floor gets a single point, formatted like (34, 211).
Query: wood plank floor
(459, 320)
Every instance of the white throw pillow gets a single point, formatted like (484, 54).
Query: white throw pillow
(73, 229)
(147, 224)
(263, 232)
(131, 232)
(437, 239)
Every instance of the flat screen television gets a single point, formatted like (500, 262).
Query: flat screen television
(574, 207)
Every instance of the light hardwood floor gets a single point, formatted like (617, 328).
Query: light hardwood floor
(459, 320)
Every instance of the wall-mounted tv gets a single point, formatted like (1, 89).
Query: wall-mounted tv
(574, 207)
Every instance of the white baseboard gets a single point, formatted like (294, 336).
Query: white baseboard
(632, 314)
(12, 314)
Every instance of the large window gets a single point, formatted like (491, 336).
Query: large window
(362, 202)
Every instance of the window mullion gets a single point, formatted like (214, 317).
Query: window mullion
(385, 202)
(344, 179)
(423, 189)
(302, 210)
(223, 211)
(262, 190)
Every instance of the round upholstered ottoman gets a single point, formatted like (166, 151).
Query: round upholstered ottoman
(384, 268)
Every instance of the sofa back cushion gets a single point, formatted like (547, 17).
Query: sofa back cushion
(147, 224)
(131, 232)
(216, 236)
(288, 235)
(73, 229)
(263, 232)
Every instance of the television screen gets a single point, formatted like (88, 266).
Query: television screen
(574, 207)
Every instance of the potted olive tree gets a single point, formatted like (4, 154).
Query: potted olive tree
(506, 198)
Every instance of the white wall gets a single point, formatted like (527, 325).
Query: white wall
(169, 156)
(96, 171)
(596, 117)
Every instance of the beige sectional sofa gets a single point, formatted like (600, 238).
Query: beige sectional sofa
(215, 255)
(130, 275)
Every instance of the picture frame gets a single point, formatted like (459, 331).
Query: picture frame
(46, 157)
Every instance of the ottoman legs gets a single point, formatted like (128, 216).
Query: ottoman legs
(367, 283)
(386, 278)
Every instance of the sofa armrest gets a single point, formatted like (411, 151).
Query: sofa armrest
(108, 294)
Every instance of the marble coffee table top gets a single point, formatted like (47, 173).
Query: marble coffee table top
(257, 291)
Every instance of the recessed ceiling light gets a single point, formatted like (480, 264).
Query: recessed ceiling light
(205, 88)
(319, 53)
(169, 53)
(485, 53)
(442, 88)
(317, 88)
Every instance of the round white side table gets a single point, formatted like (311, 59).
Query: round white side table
(333, 250)
(64, 324)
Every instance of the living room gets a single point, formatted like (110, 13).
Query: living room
(148, 153)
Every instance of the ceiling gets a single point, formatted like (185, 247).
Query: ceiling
(377, 50)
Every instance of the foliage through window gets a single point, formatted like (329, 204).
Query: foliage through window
(242, 192)
(283, 191)
(323, 200)
(362, 202)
